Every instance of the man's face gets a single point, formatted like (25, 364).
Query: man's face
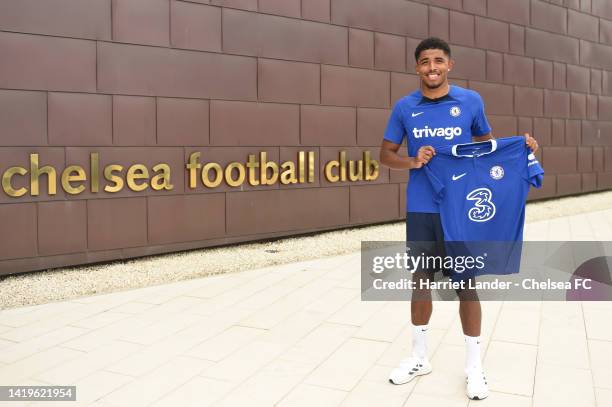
(433, 66)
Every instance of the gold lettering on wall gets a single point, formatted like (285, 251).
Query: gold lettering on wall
(311, 165)
(301, 166)
(73, 173)
(218, 177)
(365, 169)
(162, 180)
(329, 167)
(371, 167)
(265, 166)
(288, 175)
(7, 179)
(36, 172)
(229, 170)
(192, 167)
(252, 165)
(94, 165)
(115, 179)
(137, 172)
(257, 170)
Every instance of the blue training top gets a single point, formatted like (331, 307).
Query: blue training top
(449, 120)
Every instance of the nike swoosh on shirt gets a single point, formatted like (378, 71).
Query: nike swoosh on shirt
(416, 114)
(456, 177)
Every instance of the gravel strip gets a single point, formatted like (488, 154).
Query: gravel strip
(66, 283)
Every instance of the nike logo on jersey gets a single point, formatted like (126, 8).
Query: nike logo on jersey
(456, 177)
(417, 114)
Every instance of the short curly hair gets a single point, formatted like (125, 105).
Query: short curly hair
(432, 43)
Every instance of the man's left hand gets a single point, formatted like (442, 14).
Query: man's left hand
(531, 142)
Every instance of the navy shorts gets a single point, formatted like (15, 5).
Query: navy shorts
(424, 227)
(424, 236)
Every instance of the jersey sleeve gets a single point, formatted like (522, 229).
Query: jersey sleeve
(533, 172)
(436, 183)
(480, 124)
(395, 131)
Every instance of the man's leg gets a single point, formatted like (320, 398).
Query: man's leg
(420, 312)
(421, 238)
(470, 312)
(471, 318)
(418, 229)
(421, 305)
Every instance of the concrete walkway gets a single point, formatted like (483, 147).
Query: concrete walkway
(298, 335)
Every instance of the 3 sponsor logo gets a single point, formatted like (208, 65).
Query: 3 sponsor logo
(484, 208)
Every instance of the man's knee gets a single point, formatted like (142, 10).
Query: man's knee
(467, 295)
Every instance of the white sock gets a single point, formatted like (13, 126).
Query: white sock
(419, 341)
(472, 344)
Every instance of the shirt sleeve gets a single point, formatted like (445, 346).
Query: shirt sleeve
(533, 173)
(480, 124)
(436, 183)
(395, 131)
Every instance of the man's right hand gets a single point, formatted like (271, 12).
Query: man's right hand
(424, 154)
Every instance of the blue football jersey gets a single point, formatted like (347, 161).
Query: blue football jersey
(447, 121)
(482, 188)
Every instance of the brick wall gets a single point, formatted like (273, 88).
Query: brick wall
(149, 81)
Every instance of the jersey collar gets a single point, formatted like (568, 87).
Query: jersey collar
(492, 142)
(449, 96)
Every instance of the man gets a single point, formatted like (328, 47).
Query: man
(437, 114)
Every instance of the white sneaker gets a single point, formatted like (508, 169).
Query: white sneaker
(477, 388)
(408, 369)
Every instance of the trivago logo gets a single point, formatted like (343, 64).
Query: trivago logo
(447, 132)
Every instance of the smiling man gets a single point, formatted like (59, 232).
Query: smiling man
(437, 114)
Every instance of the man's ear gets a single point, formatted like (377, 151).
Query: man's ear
(451, 64)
